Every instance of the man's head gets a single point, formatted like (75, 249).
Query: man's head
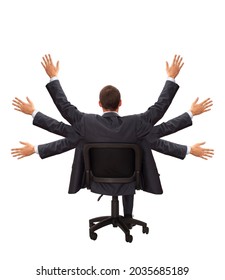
(109, 98)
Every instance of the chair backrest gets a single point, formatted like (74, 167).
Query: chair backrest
(112, 163)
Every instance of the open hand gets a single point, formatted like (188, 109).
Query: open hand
(21, 106)
(24, 151)
(198, 151)
(51, 69)
(199, 108)
(174, 69)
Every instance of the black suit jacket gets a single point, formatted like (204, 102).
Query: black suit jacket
(112, 128)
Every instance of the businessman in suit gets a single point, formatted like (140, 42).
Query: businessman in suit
(112, 128)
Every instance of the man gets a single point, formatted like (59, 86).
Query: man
(112, 128)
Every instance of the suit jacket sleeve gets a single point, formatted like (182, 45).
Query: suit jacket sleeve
(157, 111)
(66, 109)
(166, 128)
(172, 126)
(169, 148)
(56, 147)
(43, 121)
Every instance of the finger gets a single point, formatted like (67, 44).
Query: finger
(50, 59)
(206, 110)
(207, 107)
(17, 109)
(209, 104)
(21, 157)
(205, 158)
(167, 65)
(28, 99)
(174, 59)
(208, 154)
(15, 103)
(45, 61)
(16, 154)
(178, 59)
(196, 100)
(18, 100)
(16, 150)
(210, 151)
(43, 64)
(47, 58)
(201, 143)
(181, 65)
(206, 101)
(23, 143)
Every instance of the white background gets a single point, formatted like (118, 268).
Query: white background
(124, 43)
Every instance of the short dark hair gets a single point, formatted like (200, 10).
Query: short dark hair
(109, 97)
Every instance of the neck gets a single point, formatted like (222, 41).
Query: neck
(107, 110)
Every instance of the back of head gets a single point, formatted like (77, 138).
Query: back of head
(109, 98)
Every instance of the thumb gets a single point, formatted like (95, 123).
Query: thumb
(202, 143)
(57, 64)
(28, 99)
(23, 143)
(196, 100)
(167, 65)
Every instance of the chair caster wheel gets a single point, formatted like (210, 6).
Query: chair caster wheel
(129, 238)
(145, 230)
(93, 235)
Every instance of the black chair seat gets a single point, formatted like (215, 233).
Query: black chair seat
(113, 163)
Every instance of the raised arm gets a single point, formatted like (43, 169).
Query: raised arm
(157, 111)
(66, 109)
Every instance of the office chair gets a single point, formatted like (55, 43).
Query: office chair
(113, 163)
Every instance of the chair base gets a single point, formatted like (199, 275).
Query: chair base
(125, 224)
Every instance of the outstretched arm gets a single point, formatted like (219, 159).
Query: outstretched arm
(181, 121)
(180, 151)
(67, 110)
(169, 127)
(23, 107)
(41, 120)
(57, 147)
(44, 150)
(198, 151)
(26, 150)
(202, 107)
